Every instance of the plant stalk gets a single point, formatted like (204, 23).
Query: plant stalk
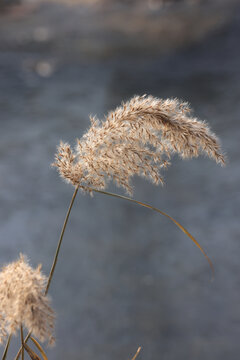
(60, 240)
(22, 342)
(6, 347)
(54, 260)
(138, 351)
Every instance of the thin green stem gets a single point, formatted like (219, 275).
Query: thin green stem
(55, 258)
(6, 347)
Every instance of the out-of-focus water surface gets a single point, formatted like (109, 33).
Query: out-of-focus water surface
(126, 276)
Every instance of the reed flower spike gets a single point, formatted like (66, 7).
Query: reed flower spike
(137, 138)
(23, 302)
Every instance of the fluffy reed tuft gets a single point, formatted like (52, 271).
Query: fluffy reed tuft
(137, 138)
(22, 301)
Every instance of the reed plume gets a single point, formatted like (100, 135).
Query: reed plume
(23, 302)
(137, 138)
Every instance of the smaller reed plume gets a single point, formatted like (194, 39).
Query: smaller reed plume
(137, 138)
(23, 301)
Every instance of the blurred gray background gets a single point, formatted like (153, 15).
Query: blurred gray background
(126, 276)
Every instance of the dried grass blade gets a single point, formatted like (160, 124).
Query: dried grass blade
(138, 351)
(164, 214)
(39, 348)
(6, 348)
(19, 351)
(31, 353)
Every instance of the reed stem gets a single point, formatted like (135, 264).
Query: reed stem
(54, 260)
(22, 342)
(60, 241)
(6, 347)
(138, 351)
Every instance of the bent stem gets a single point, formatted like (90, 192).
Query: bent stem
(55, 259)
(164, 214)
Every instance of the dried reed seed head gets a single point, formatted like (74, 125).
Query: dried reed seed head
(136, 138)
(22, 301)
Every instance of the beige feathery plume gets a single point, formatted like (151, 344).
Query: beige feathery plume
(22, 301)
(137, 138)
